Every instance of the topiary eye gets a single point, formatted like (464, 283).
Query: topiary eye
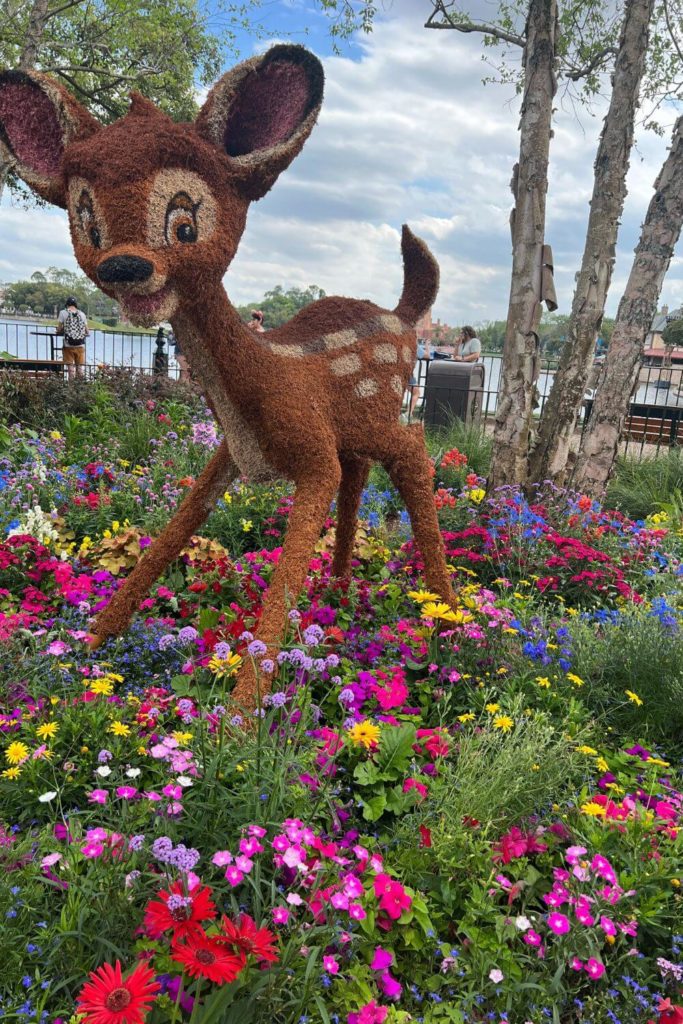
(181, 220)
(95, 237)
(186, 233)
(86, 217)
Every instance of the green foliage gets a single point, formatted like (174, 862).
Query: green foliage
(470, 439)
(641, 486)
(672, 335)
(643, 655)
(45, 294)
(278, 306)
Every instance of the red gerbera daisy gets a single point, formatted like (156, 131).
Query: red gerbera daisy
(108, 998)
(246, 938)
(203, 957)
(181, 914)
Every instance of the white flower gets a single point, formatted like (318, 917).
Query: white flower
(133, 773)
(183, 780)
(496, 976)
(523, 923)
(103, 770)
(45, 798)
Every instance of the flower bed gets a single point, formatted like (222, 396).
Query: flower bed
(440, 814)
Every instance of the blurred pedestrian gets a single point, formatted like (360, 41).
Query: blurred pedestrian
(72, 325)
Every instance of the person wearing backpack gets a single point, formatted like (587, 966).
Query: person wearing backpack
(72, 323)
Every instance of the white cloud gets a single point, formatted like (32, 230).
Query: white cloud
(408, 133)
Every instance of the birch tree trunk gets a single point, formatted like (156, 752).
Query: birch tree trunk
(558, 422)
(37, 21)
(619, 375)
(520, 364)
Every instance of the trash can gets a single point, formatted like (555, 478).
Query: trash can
(453, 391)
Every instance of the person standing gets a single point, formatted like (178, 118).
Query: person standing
(184, 369)
(467, 347)
(72, 325)
(256, 322)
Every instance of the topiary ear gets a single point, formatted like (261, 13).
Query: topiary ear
(261, 113)
(38, 120)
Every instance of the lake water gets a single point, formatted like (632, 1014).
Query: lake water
(26, 339)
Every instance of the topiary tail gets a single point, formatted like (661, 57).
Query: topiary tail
(420, 278)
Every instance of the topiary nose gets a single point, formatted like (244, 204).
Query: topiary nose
(124, 270)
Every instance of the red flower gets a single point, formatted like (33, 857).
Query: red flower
(178, 913)
(203, 957)
(107, 998)
(246, 938)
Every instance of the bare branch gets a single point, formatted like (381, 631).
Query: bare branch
(669, 26)
(592, 65)
(469, 26)
(62, 8)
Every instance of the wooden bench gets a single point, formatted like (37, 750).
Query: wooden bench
(649, 423)
(33, 365)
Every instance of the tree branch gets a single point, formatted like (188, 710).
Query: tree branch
(470, 26)
(64, 7)
(669, 26)
(589, 68)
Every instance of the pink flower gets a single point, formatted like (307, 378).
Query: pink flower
(92, 850)
(371, 1013)
(126, 792)
(280, 915)
(250, 846)
(234, 876)
(608, 926)
(390, 986)
(392, 897)
(594, 969)
(330, 965)
(257, 831)
(558, 923)
(244, 864)
(576, 964)
(221, 858)
(496, 976)
(532, 938)
(173, 791)
(573, 854)
(601, 866)
(382, 960)
(356, 912)
(416, 785)
(50, 859)
(58, 647)
(294, 899)
(98, 796)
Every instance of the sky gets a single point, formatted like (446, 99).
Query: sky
(408, 133)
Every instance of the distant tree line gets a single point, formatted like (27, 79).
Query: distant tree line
(279, 305)
(45, 294)
(552, 333)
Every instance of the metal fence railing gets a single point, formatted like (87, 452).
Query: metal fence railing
(655, 417)
(36, 347)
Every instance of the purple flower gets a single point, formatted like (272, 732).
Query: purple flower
(104, 756)
(257, 648)
(268, 666)
(162, 848)
(222, 650)
(187, 634)
(313, 635)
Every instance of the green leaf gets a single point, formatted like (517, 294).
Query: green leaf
(395, 751)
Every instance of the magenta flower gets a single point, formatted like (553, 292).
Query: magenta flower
(280, 915)
(601, 866)
(390, 986)
(98, 796)
(221, 858)
(594, 969)
(382, 960)
(92, 850)
(126, 792)
(576, 964)
(558, 923)
(330, 965)
(532, 938)
(608, 926)
(573, 854)
(356, 912)
(234, 876)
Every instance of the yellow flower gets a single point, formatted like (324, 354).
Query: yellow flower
(601, 764)
(16, 752)
(55, 435)
(576, 680)
(587, 750)
(364, 734)
(221, 667)
(502, 671)
(119, 729)
(227, 498)
(182, 737)
(476, 495)
(676, 882)
(114, 676)
(247, 525)
(543, 682)
(47, 731)
(503, 722)
(85, 750)
(593, 810)
(658, 760)
(634, 698)
(469, 717)
(535, 767)
(54, 700)
(104, 687)
(492, 708)
(422, 595)
(115, 526)
(10, 773)
(438, 610)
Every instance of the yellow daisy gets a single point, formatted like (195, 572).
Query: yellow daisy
(634, 698)
(16, 752)
(10, 773)
(492, 708)
(576, 680)
(469, 717)
(503, 722)
(593, 810)
(103, 687)
(119, 729)
(543, 682)
(221, 667)
(364, 734)
(423, 595)
(587, 750)
(47, 731)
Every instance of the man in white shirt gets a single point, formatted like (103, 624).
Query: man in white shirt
(467, 347)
